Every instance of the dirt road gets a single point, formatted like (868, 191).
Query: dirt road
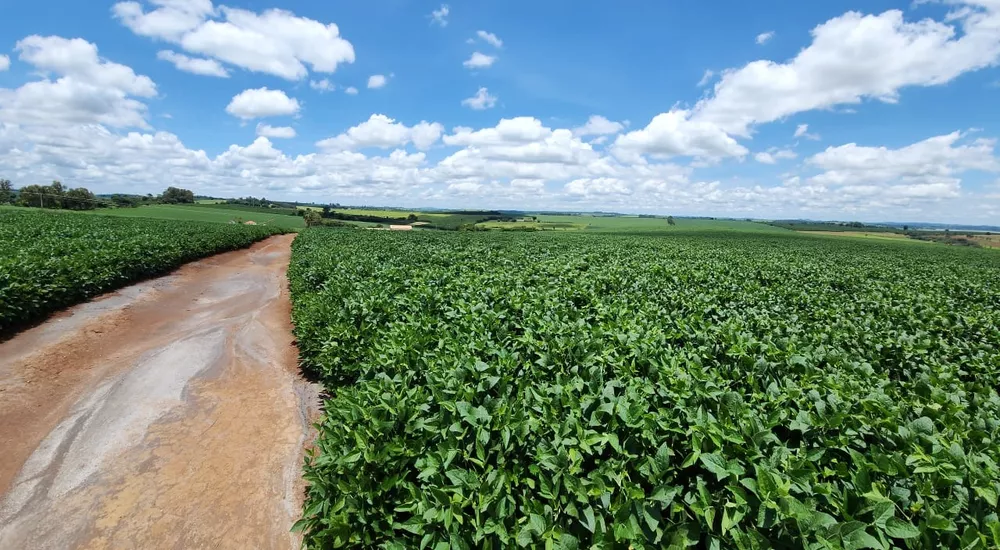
(167, 415)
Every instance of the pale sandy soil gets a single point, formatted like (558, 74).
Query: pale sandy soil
(169, 414)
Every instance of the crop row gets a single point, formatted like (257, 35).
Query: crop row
(49, 260)
(603, 391)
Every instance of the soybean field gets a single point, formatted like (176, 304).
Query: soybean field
(50, 260)
(701, 389)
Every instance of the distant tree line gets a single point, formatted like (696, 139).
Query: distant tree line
(262, 203)
(329, 214)
(804, 225)
(57, 196)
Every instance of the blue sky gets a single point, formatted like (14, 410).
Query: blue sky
(868, 111)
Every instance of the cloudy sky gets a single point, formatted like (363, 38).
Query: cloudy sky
(858, 110)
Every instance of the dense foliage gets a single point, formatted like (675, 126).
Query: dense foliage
(174, 195)
(56, 196)
(7, 195)
(444, 220)
(241, 207)
(804, 225)
(49, 260)
(716, 390)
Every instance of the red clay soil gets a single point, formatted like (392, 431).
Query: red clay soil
(167, 415)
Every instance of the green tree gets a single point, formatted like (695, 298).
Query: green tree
(54, 195)
(670, 220)
(32, 195)
(80, 199)
(313, 218)
(6, 192)
(125, 201)
(174, 195)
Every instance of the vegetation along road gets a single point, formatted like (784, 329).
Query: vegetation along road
(121, 416)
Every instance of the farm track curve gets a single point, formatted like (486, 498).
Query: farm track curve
(169, 414)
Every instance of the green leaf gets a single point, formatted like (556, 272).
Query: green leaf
(568, 542)
(939, 523)
(899, 529)
(715, 464)
(988, 494)
(922, 425)
(691, 459)
(588, 518)
(524, 536)
(665, 494)
(860, 539)
(882, 512)
(537, 523)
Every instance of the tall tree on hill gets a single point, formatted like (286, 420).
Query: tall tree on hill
(6, 192)
(80, 199)
(174, 195)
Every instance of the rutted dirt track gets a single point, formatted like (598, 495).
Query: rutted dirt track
(166, 415)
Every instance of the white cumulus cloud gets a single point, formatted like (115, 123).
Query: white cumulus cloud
(377, 81)
(676, 134)
(802, 130)
(4, 62)
(765, 37)
(853, 57)
(322, 86)
(599, 126)
(275, 132)
(205, 67)
(772, 156)
(78, 59)
(481, 101)
(765, 158)
(589, 187)
(479, 60)
(262, 102)
(275, 41)
(930, 164)
(383, 132)
(440, 15)
(490, 38)
(77, 87)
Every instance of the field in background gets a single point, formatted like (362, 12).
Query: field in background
(880, 236)
(210, 210)
(626, 224)
(987, 241)
(559, 222)
(205, 213)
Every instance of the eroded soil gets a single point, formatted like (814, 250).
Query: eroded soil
(169, 415)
